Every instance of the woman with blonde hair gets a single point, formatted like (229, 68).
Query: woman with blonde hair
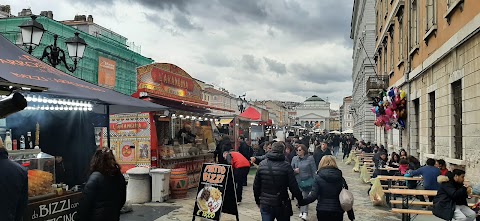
(326, 190)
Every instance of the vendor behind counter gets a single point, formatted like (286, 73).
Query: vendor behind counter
(69, 134)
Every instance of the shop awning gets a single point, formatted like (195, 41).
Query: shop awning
(251, 114)
(226, 120)
(17, 66)
(145, 93)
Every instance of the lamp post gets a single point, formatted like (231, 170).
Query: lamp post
(242, 103)
(32, 32)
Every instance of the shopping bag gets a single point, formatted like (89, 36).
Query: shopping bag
(376, 193)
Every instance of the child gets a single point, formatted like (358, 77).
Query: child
(442, 165)
(403, 166)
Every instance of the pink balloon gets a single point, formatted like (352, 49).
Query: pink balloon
(389, 112)
(373, 109)
(388, 127)
(398, 100)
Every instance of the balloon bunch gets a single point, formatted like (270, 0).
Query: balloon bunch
(390, 109)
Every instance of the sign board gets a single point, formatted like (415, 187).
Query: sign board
(169, 81)
(58, 208)
(216, 192)
(106, 72)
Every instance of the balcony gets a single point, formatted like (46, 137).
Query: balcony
(375, 84)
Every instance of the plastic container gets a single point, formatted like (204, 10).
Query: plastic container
(160, 184)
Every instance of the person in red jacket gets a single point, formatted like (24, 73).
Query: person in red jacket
(241, 167)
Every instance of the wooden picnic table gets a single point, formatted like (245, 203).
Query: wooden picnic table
(405, 195)
(388, 168)
(389, 179)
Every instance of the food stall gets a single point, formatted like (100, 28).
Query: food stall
(56, 122)
(183, 136)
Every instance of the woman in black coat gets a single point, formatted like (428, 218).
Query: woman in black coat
(105, 191)
(326, 190)
(451, 199)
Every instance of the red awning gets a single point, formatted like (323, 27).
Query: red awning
(251, 114)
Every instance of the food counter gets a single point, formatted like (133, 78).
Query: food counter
(46, 200)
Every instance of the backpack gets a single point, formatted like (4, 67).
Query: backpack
(346, 200)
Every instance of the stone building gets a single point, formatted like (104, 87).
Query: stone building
(313, 111)
(431, 50)
(346, 118)
(363, 71)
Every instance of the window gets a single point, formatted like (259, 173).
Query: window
(449, 2)
(215, 98)
(391, 50)
(432, 122)
(414, 25)
(400, 37)
(457, 118)
(385, 60)
(431, 13)
(348, 125)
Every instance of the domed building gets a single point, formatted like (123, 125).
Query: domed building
(312, 112)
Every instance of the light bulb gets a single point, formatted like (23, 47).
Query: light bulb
(61, 108)
(75, 108)
(57, 108)
(85, 108)
(70, 108)
(28, 98)
(55, 101)
(90, 108)
(34, 98)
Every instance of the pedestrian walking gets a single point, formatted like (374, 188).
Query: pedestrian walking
(241, 167)
(273, 180)
(347, 148)
(320, 152)
(105, 191)
(305, 170)
(224, 145)
(326, 190)
(13, 188)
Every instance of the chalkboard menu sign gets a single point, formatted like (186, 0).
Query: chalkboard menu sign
(58, 208)
(216, 192)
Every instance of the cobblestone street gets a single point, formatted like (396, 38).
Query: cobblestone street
(249, 211)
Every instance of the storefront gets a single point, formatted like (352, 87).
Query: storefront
(56, 120)
(184, 135)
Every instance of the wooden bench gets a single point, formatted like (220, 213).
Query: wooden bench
(412, 211)
(419, 203)
(395, 187)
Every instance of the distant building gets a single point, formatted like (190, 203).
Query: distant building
(313, 112)
(346, 118)
(5, 11)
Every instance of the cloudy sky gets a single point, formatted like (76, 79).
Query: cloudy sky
(268, 49)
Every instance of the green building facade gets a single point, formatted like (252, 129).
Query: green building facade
(106, 46)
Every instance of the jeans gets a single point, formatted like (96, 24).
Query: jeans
(329, 216)
(240, 176)
(304, 209)
(270, 213)
(464, 213)
(336, 150)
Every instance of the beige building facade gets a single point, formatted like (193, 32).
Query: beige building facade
(431, 50)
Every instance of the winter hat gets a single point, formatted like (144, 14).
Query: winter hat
(278, 147)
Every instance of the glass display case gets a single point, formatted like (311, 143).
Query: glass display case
(41, 170)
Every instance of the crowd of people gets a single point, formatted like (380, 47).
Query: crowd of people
(306, 166)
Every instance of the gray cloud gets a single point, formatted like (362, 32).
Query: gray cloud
(321, 73)
(275, 66)
(250, 62)
(217, 59)
(185, 23)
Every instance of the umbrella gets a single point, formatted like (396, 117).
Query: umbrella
(348, 132)
(335, 132)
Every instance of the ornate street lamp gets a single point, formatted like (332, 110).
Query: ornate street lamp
(32, 32)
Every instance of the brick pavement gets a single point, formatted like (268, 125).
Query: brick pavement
(364, 211)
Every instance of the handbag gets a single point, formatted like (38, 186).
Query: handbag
(307, 184)
(286, 203)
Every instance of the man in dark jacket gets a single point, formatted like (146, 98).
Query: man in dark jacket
(273, 180)
(13, 188)
(246, 151)
(319, 153)
(224, 145)
(451, 199)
